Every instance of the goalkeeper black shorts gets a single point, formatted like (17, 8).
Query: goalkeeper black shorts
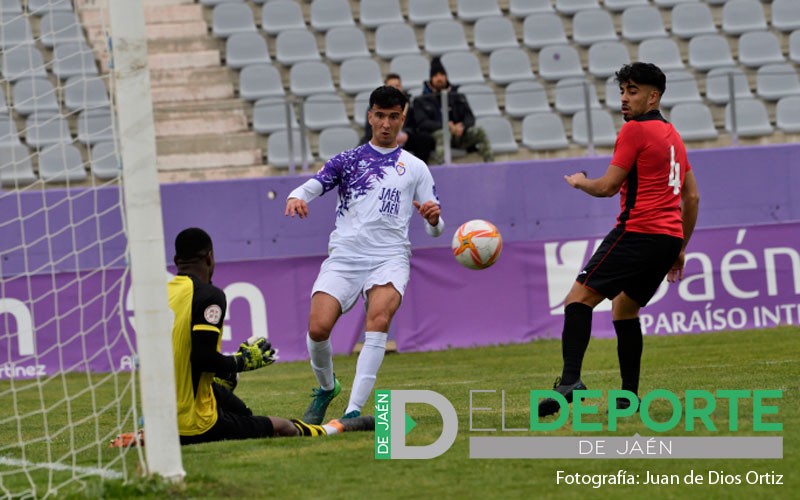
(234, 421)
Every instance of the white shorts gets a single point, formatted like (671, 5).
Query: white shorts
(345, 278)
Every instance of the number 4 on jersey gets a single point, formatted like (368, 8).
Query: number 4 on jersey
(674, 172)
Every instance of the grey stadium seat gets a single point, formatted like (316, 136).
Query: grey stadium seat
(559, 61)
(278, 149)
(606, 58)
(61, 163)
(693, 121)
(282, 15)
(311, 77)
(11, 6)
(269, 115)
(73, 59)
(16, 168)
(663, 52)
(8, 130)
(360, 108)
(570, 97)
(357, 75)
(524, 8)
(681, 87)
(492, 33)
(718, 85)
(23, 61)
(327, 14)
(740, 16)
(422, 12)
(603, 131)
(620, 5)
(543, 132)
(590, 26)
(526, 97)
(642, 23)
(445, 36)
(570, 7)
(60, 27)
(85, 92)
(393, 40)
(14, 30)
(482, 100)
(786, 15)
(757, 48)
(322, 111)
(499, 132)
(345, 43)
(3, 104)
(95, 125)
(794, 46)
(671, 3)
(509, 65)
(541, 30)
(751, 118)
(710, 51)
(333, 141)
(41, 7)
(294, 46)
(105, 161)
(34, 95)
(45, 129)
(374, 13)
(787, 114)
(774, 81)
(472, 10)
(611, 93)
(692, 19)
(462, 68)
(413, 71)
(243, 49)
(262, 80)
(231, 18)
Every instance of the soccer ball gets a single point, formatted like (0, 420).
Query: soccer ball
(477, 244)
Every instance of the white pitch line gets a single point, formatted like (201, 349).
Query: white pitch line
(94, 471)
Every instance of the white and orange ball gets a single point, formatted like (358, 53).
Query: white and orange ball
(477, 244)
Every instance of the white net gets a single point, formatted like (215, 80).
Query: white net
(67, 382)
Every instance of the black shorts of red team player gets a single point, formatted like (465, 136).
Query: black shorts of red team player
(234, 421)
(634, 263)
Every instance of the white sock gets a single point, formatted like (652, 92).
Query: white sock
(321, 361)
(331, 430)
(369, 361)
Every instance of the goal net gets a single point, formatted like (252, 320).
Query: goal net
(70, 287)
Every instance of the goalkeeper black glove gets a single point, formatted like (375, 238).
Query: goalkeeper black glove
(254, 356)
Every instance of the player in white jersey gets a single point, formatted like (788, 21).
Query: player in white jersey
(380, 186)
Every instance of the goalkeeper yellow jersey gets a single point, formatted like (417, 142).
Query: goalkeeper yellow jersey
(197, 306)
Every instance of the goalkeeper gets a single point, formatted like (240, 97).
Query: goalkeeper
(207, 408)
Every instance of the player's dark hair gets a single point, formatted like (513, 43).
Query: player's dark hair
(387, 97)
(392, 76)
(192, 244)
(643, 74)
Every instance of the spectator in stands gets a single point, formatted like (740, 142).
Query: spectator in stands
(420, 145)
(428, 116)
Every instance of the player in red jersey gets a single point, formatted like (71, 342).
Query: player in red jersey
(658, 209)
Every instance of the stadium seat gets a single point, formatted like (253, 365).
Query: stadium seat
(620, 5)
(774, 81)
(244, 49)
(60, 27)
(358, 75)
(751, 118)
(571, 7)
(95, 125)
(294, 46)
(482, 99)
(278, 149)
(570, 95)
(281, 15)
(393, 40)
(85, 92)
(311, 77)
(499, 132)
(787, 114)
(105, 163)
(681, 87)
(15, 166)
(41, 7)
(693, 121)
(413, 69)
(543, 132)
(710, 51)
(642, 23)
(611, 93)
(73, 59)
(3, 103)
(472, 10)
(11, 6)
(543, 29)
(23, 61)
(347, 42)
(444, 36)
(606, 58)
(374, 13)
(322, 111)
(8, 130)
(590, 26)
(327, 14)
(462, 68)
(559, 61)
(794, 46)
(603, 131)
(333, 141)
(61, 163)
(269, 115)
(492, 33)
(509, 65)
(670, 3)
(231, 18)
(663, 52)
(524, 8)
(34, 95)
(757, 48)
(740, 16)
(786, 15)
(422, 12)
(14, 30)
(718, 85)
(526, 97)
(264, 80)
(360, 108)
(692, 19)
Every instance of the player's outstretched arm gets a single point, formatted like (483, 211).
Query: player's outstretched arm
(602, 187)
(432, 213)
(690, 207)
(296, 206)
